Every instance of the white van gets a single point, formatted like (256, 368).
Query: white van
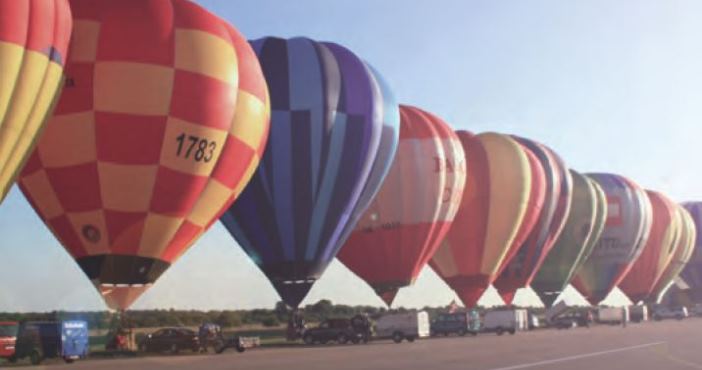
(399, 326)
(501, 321)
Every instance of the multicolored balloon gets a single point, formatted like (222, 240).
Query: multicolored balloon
(683, 253)
(326, 129)
(162, 121)
(34, 36)
(658, 251)
(521, 269)
(401, 230)
(537, 196)
(692, 273)
(581, 232)
(625, 233)
(492, 209)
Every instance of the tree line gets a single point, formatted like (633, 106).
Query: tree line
(274, 317)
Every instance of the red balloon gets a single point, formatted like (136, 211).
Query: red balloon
(414, 208)
(658, 250)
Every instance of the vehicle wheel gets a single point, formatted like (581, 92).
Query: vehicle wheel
(342, 338)
(240, 349)
(500, 331)
(512, 331)
(68, 360)
(657, 318)
(411, 339)
(308, 339)
(174, 349)
(355, 340)
(397, 337)
(35, 358)
(324, 341)
(679, 317)
(473, 333)
(462, 332)
(446, 334)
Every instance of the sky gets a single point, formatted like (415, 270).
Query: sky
(610, 86)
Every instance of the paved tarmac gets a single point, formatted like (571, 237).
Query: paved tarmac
(667, 345)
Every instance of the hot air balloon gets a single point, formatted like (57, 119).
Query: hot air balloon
(159, 128)
(625, 233)
(520, 270)
(34, 36)
(692, 273)
(581, 232)
(658, 251)
(400, 231)
(683, 253)
(325, 136)
(537, 195)
(492, 209)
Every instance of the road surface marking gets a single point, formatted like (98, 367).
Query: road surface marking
(577, 357)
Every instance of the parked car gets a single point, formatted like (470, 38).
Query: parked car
(8, 337)
(638, 313)
(171, 340)
(41, 340)
(459, 323)
(332, 330)
(665, 312)
(567, 321)
(403, 326)
(696, 310)
(505, 321)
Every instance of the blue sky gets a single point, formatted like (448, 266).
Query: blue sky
(611, 86)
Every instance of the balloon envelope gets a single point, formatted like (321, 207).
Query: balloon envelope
(582, 230)
(325, 133)
(658, 251)
(160, 127)
(492, 209)
(626, 231)
(520, 270)
(683, 253)
(400, 231)
(692, 273)
(34, 36)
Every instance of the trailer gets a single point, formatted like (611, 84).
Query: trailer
(613, 315)
(505, 321)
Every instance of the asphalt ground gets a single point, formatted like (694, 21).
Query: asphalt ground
(666, 345)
